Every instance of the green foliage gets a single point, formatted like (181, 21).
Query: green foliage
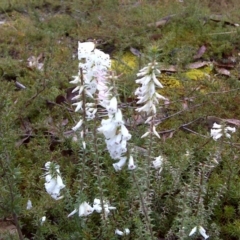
(200, 187)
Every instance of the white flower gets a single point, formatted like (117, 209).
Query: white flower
(122, 233)
(29, 204)
(54, 182)
(158, 162)
(218, 131)
(43, 219)
(78, 125)
(72, 213)
(118, 232)
(145, 135)
(201, 230)
(131, 165)
(155, 132)
(85, 209)
(98, 207)
(118, 166)
(147, 94)
(193, 231)
(126, 231)
(112, 107)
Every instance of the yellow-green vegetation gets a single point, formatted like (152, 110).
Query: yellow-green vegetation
(199, 182)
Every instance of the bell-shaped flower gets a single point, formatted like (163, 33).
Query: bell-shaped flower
(131, 165)
(157, 163)
(192, 231)
(118, 166)
(43, 219)
(118, 232)
(54, 182)
(202, 231)
(29, 204)
(112, 107)
(85, 209)
(98, 207)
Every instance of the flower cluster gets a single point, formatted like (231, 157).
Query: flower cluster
(116, 134)
(93, 65)
(86, 209)
(146, 94)
(218, 131)
(53, 179)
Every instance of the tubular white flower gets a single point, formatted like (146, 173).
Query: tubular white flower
(202, 231)
(72, 213)
(157, 163)
(118, 232)
(145, 135)
(85, 209)
(53, 183)
(112, 107)
(193, 231)
(29, 204)
(131, 165)
(118, 166)
(43, 219)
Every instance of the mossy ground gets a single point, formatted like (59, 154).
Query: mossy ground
(35, 122)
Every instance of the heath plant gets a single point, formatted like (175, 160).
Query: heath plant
(119, 150)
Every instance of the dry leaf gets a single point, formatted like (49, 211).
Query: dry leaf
(135, 52)
(229, 63)
(200, 52)
(167, 134)
(161, 22)
(235, 122)
(197, 65)
(168, 68)
(222, 71)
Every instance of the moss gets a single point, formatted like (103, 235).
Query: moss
(126, 63)
(198, 74)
